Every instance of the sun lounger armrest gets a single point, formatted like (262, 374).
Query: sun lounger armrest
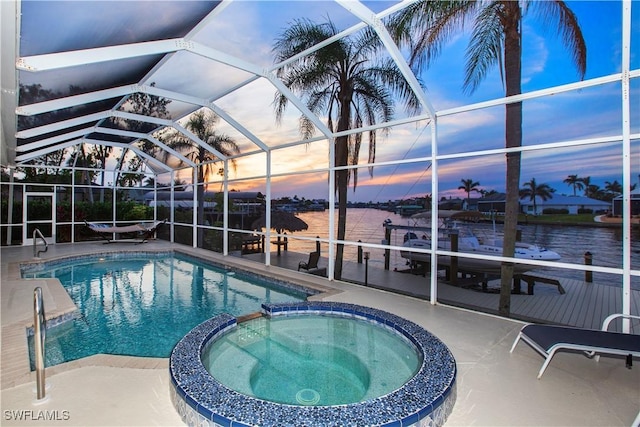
(612, 317)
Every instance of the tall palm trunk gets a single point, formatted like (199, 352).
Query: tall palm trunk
(513, 135)
(342, 181)
(200, 193)
(103, 162)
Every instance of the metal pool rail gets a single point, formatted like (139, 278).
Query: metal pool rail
(39, 332)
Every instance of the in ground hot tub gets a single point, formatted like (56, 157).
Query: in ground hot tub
(312, 363)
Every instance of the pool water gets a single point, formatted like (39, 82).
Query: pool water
(318, 360)
(142, 304)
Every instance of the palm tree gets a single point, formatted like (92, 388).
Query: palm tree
(586, 184)
(487, 193)
(496, 39)
(86, 162)
(575, 182)
(101, 153)
(469, 185)
(594, 191)
(533, 190)
(143, 104)
(615, 188)
(202, 124)
(341, 82)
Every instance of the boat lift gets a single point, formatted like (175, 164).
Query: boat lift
(451, 268)
(445, 215)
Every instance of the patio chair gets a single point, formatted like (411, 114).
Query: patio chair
(548, 339)
(144, 232)
(312, 263)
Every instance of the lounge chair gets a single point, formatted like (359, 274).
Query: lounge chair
(548, 339)
(106, 231)
(312, 263)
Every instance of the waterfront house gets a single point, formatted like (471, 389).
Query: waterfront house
(560, 202)
(246, 206)
(616, 203)
(492, 203)
(451, 204)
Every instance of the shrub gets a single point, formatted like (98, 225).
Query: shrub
(555, 211)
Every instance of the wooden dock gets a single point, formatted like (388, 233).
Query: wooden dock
(583, 304)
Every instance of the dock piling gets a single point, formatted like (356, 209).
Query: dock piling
(588, 260)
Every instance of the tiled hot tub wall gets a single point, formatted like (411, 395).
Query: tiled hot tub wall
(425, 400)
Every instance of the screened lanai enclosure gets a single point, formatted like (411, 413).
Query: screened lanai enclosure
(210, 114)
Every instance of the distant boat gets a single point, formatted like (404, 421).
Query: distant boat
(291, 208)
(408, 210)
(468, 242)
(316, 207)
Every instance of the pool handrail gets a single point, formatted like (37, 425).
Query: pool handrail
(36, 252)
(39, 332)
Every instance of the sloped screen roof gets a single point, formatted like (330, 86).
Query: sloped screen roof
(81, 65)
(60, 26)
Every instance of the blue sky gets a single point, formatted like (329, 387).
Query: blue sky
(579, 114)
(246, 29)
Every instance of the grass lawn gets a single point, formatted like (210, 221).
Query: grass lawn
(567, 219)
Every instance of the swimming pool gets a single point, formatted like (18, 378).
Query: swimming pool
(142, 303)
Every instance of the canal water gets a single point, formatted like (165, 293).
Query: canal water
(571, 242)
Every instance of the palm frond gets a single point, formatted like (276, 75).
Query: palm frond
(202, 124)
(343, 80)
(425, 26)
(485, 47)
(568, 28)
(301, 35)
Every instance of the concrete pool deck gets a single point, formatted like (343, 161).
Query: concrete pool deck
(495, 387)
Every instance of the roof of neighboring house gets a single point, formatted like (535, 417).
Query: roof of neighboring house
(496, 197)
(450, 203)
(188, 195)
(635, 194)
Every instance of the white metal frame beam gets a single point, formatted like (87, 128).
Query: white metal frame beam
(75, 100)
(47, 150)
(139, 136)
(366, 15)
(198, 141)
(9, 30)
(133, 148)
(54, 61)
(87, 56)
(54, 140)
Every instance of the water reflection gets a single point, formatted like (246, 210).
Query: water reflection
(571, 242)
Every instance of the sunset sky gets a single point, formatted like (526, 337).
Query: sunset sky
(574, 115)
(247, 30)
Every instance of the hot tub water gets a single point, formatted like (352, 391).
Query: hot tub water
(312, 360)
